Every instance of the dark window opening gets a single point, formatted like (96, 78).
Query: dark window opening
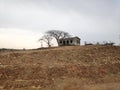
(60, 41)
(67, 42)
(63, 42)
(78, 41)
(71, 41)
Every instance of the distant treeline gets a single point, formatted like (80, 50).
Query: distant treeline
(98, 43)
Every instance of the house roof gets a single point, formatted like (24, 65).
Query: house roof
(69, 38)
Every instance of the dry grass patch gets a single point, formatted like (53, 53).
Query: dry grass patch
(64, 68)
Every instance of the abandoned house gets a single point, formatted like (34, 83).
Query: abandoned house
(69, 41)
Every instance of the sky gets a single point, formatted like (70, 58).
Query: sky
(23, 22)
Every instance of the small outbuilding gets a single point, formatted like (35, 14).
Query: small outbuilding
(72, 41)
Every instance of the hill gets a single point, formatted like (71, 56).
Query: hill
(63, 68)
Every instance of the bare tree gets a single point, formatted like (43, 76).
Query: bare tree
(47, 39)
(41, 42)
(57, 34)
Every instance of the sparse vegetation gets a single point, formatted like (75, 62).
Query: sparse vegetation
(62, 68)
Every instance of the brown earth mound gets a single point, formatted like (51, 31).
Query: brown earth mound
(63, 68)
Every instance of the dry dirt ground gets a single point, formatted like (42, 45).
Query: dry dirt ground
(63, 68)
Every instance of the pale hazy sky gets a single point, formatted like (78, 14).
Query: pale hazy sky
(22, 22)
